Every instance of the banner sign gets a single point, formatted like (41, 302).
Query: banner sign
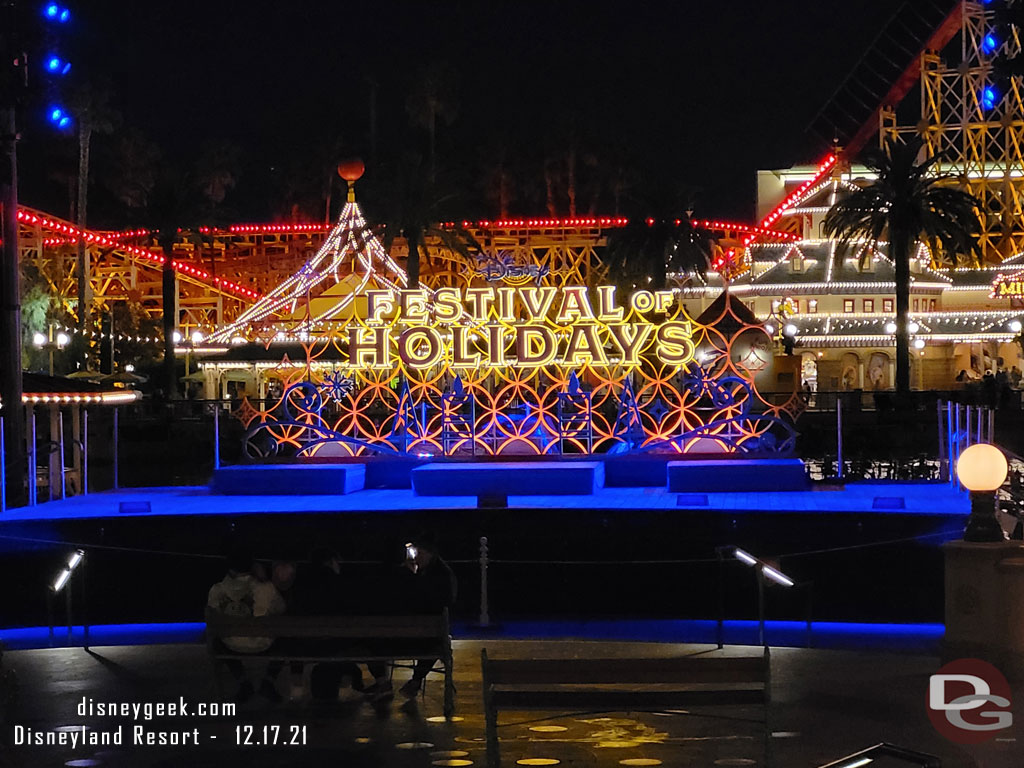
(525, 327)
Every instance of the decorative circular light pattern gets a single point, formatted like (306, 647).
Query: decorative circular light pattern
(538, 761)
(548, 728)
(639, 761)
(414, 745)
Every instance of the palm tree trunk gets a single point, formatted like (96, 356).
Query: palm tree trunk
(571, 173)
(169, 290)
(84, 297)
(901, 246)
(412, 262)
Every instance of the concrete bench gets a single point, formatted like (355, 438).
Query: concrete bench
(431, 636)
(621, 685)
(289, 479)
(514, 478)
(736, 475)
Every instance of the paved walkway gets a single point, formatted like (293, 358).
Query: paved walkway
(827, 704)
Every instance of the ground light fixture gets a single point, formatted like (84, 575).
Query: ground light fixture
(982, 469)
(764, 572)
(62, 578)
(772, 574)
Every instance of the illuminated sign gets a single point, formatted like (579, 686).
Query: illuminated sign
(524, 327)
(1008, 287)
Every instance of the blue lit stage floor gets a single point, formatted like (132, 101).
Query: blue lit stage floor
(915, 499)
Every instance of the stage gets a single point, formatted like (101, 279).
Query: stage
(868, 499)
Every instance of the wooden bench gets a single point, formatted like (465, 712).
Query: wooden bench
(384, 636)
(622, 685)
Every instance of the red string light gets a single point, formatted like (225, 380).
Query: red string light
(93, 237)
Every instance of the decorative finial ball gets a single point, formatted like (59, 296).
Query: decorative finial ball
(981, 467)
(351, 170)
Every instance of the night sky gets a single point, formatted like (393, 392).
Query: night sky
(688, 99)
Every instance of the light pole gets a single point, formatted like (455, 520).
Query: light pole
(50, 341)
(982, 469)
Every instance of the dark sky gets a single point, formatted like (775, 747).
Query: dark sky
(690, 96)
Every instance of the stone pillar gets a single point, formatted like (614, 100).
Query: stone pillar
(985, 604)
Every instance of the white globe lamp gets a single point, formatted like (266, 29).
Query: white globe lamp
(981, 469)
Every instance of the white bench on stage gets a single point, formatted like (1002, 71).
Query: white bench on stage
(508, 478)
(736, 475)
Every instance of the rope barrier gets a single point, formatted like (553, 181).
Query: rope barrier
(475, 561)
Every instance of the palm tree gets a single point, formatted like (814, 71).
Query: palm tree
(907, 203)
(413, 210)
(640, 254)
(434, 97)
(93, 114)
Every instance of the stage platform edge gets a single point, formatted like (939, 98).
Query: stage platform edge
(736, 475)
(288, 479)
(514, 478)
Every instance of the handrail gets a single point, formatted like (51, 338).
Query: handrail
(865, 756)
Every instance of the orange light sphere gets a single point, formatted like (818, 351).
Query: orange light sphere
(351, 170)
(981, 467)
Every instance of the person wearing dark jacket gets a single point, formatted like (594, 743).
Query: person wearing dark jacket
(321, 591)
(426, 585)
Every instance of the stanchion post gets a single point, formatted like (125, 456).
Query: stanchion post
(839, 436)
(116, 479)
(67, 607)
(49, 615)
(60, 463)
(809, 586)
(720, 553)
(485, 618)
(85, 451)
(216, 434)
(33, 486)
(761, 636)
(85, 603)
(3, 469)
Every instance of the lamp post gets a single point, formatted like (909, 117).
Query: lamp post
(982, 469)
(50, 341)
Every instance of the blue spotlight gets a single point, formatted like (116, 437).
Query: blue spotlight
(64, 122)
(55, 12)
(56, 113)
(989, 43)
(989, 97)
(59, 117)
(57, 66)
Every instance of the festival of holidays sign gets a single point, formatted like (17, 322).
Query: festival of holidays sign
(527, 327)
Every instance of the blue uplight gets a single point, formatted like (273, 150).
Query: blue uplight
(989, 97)
(989, 43)
(55, 12)
(59, 117)
(57, 66)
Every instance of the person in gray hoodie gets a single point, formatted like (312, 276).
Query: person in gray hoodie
(240, 594)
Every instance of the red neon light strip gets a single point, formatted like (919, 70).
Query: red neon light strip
(179, 266)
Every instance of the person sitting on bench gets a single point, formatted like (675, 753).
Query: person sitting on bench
(241, 595)
(426, 585)
(321, 591)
